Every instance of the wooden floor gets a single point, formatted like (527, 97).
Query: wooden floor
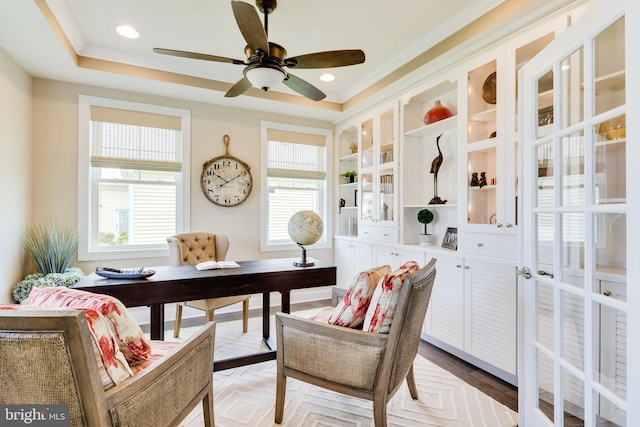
(492, 386)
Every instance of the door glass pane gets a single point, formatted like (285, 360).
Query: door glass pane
(481, 166)
(386, 195)
(544, 155)
(573, 233)
(545, 379)
(610, 161)
(573, 178)
(544, 327)
(544, 245)
(572, 93)
(482, 99)
(572, 399)
(366, 144)
(608, 414)
(611, 243)
(545, 105)
(609, 68)
(572, 329)
(366, 196)
(610, 330)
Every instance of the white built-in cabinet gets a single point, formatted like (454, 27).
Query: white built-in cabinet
(473, 308)
(351, 257)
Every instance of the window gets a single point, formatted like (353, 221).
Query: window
(132, 195)
(295, 166)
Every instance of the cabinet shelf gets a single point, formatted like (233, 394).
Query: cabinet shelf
(349, 185)
(443, 126)
(426, 205)
(484, 188)
(486, 116)
(349, 158)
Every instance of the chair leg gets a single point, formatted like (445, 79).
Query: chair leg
(411, 382)
(380, 412)
(281, 389)
(210, 316)
(207, 409)
(245, 316)
(176, 329)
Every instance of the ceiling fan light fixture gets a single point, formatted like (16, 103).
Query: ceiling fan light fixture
(264, 77)
(327, 77)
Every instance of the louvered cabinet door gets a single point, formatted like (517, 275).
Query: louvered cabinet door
(445, 315)
(490, 313)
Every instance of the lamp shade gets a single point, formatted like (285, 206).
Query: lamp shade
(264, 77)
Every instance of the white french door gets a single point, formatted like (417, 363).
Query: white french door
(575, 229)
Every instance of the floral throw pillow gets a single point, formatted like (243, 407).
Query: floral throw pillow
(385, 299)
(350, 311)
(131, 339)
(112, 365)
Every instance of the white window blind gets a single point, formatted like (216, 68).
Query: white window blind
(125, 139)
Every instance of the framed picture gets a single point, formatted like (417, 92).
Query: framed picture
(450, 240)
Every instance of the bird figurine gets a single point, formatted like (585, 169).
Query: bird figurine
(435, 167)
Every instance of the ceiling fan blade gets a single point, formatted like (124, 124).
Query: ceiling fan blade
(194, 55)
(303, 87)
(239, 88)
(328, 59)
(250, 26)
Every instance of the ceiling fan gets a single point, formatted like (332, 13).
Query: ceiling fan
(265, 63)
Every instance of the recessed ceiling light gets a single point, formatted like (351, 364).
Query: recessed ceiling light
(327, 77)
(127, 31)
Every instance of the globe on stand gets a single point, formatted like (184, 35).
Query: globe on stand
(305, 228)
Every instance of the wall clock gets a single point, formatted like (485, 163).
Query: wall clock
(226, 180)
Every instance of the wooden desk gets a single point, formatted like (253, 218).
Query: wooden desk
(185, 283)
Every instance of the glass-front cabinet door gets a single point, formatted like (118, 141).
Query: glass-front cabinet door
(574, 275)
(378, 199)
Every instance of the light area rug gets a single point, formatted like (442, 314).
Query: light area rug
(245, 396)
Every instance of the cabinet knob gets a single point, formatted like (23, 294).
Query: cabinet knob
(480, 244)
(466, 267)
(606, 293)
(509, 225)
(386, 235)
(458, 265)
(498, 225)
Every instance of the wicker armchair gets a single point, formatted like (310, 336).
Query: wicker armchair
(196, 247)
(367, 365)
(47, 357)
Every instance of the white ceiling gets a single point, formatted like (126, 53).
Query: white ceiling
(391, 33)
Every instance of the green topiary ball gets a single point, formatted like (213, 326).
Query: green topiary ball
(425, 216)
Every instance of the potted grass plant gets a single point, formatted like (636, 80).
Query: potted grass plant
(51, 249)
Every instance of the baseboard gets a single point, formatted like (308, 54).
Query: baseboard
(497, 372)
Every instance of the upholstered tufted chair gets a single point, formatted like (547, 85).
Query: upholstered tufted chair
(196, 247)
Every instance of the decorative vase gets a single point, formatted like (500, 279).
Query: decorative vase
(425, 239)
(436, 113)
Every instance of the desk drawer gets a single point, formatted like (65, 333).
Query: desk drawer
(487, 244)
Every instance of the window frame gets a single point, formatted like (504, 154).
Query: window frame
(87, 185)
(326, 216)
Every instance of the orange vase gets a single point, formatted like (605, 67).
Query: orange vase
(436, 113)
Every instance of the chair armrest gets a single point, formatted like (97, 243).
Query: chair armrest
(169, 387)
(328, 352)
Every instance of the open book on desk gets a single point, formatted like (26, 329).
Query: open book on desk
(215, 265)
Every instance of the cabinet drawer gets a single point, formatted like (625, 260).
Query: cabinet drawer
(487, 244)
(380, 234)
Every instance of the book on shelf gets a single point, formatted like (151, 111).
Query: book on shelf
(216, 265)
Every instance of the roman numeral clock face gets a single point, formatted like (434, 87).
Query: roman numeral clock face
(226, 181)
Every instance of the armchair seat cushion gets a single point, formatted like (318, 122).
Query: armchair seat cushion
(131, 339)
(385, 299)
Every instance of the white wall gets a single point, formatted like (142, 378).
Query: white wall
(55, 171)
(15, 170)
